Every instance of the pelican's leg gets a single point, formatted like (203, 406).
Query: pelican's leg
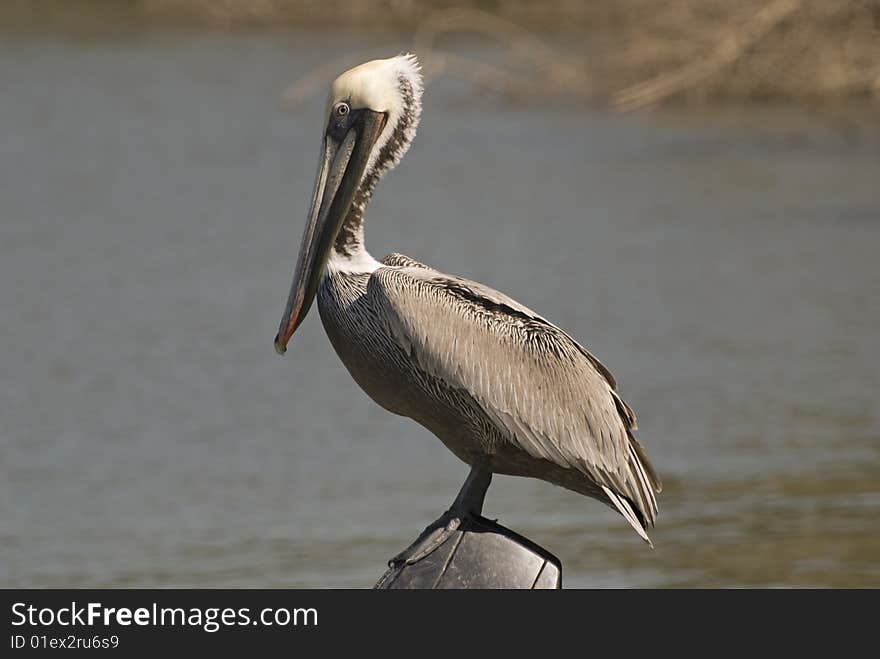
(468, 503)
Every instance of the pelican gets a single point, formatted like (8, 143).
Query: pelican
(504, 389)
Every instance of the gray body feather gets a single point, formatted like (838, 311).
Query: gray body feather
(491, 378)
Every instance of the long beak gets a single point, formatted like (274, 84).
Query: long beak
(340, 172)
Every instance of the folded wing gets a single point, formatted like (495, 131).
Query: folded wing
(544, 392)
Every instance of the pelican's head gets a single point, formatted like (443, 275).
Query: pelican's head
(370, 120)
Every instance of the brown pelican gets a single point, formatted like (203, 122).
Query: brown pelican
(502, 387)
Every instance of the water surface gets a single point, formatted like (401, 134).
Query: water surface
(152, 193)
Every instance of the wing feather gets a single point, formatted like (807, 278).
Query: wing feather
(546, 393)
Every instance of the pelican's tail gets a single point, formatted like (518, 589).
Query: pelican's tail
(626, 509)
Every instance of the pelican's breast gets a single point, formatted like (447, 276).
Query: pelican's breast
(361, 340)
(387, 374)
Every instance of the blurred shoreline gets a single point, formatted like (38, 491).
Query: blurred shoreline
(624, 55)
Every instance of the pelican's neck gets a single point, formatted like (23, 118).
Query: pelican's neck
(351, 257)
(350, 239)
(349, 254)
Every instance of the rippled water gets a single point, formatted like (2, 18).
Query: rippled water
(152, 193)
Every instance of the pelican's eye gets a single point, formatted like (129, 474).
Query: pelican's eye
(341, 109)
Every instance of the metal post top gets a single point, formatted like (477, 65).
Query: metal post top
(480, 554)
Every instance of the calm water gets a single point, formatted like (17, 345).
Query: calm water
(152, 193)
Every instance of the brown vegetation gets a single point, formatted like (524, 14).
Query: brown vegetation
(626, 54)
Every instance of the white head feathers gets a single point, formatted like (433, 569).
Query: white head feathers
(375, 84)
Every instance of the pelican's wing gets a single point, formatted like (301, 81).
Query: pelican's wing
(551, 397)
